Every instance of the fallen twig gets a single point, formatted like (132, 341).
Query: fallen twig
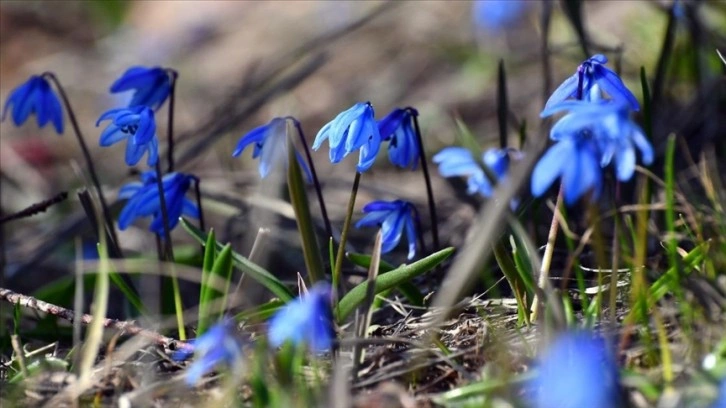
(127, 327)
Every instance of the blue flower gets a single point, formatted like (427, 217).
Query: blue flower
(577, 161)
(458, 161)
(721, 398)
(307, 319)
(144, 200)
(397, 129)
(495, 15)
(351, 130)
(392, 217)
(35, 96)
(151, 86)
(137, 125)
(610, 124)
(216, 346)
(577, 371)
(594, 72)
(271, 144)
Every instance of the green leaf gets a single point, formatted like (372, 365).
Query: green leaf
(256, 272)
(221, 272)
(390, 280)
(210, 254)
(260, 313)
(299, 201)
(407, 289)
(506, 264)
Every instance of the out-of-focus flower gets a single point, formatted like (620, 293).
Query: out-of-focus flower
(458, 161)
(138, 127)
(151, 86)
(144, 201)
(495, 15)
(721, 399)
(577, 371)
(392, 217)
(270, 146)
(35, 96)
(351, 130)
(306, 320)
(609, 124)
(397, 128)
(216, 346)
(577, 161)
(590, 73)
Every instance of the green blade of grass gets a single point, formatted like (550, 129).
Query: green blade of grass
(221, 271)
(255, 271)
(210, 254)
(389, 280)
(299, 201)
(407, 289)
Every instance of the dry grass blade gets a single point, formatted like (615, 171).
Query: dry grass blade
(366, 312)
(482, 235)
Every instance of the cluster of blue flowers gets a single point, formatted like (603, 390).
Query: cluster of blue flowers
(593, 132)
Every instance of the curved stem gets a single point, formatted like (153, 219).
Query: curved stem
(427, 179)
(115, 249)
(344, 234)
(170, 122)
(169, 254)
(316, 182)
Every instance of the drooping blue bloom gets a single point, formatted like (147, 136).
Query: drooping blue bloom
(144, 201)
(306, 320)
(397, 128)
(138, 127)
(151, 86)
(271, 144)
(392, 217)
(495, 15)
(577, 371)
(216, 346)
(459, 162)
(35, 96)
(609, 124)
(574, 159)
(593, 72)
(351, 130)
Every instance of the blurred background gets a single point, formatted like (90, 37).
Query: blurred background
(242, 63)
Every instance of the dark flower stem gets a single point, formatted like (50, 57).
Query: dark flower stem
(427, 179)
(89, 162)
(316, 182)
(198, 194)
(344, 234)
(170, 125)
(419, 229)
(168, 251)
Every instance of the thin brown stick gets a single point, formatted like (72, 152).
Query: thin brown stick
(127, 327)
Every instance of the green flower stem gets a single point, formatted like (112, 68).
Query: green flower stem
(427, 179)
(344, 234)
